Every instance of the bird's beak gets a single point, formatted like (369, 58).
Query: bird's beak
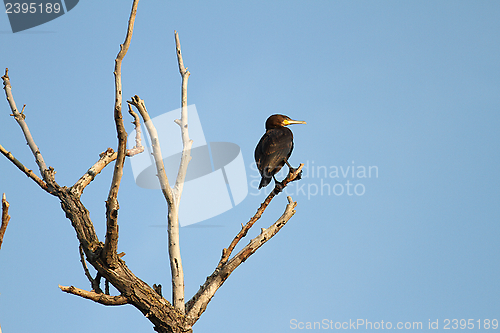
(287, 122)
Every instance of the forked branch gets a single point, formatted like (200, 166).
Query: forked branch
(172, 318)
(138, 148)
(292, 175)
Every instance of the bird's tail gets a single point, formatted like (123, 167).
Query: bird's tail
(264, 182)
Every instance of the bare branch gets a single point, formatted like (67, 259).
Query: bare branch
(138, 148)
(172, 196)
(5, 218)
(183, 123)
(157, 288)
(132, 290)
(165, 317)
(111, 242)
(155, 142)
(99, 298)
(292, 175)
(107, 157)
(85, 269)
(174, 250)
(94, 283)
(197, 305)
(20, 120)
(24, 169)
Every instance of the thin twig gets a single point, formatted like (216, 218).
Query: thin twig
(111, 242)
(5, 218)
(20, 120)
(107, 157)
(99, 298)
(173, 220)
(133, 290)
(24, 169)
(198, 303)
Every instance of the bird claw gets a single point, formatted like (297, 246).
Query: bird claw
(278, 188)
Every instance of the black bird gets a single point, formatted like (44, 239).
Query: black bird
(275, 147)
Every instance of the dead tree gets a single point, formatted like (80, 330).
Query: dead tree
(176, 316)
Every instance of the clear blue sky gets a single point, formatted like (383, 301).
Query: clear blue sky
(410, 87)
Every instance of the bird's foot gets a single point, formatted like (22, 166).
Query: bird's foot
(278, 187)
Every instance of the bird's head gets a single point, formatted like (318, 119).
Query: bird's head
(279, 120)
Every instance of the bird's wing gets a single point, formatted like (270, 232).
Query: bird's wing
(273, 149)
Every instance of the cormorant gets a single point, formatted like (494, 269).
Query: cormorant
(275, 147)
